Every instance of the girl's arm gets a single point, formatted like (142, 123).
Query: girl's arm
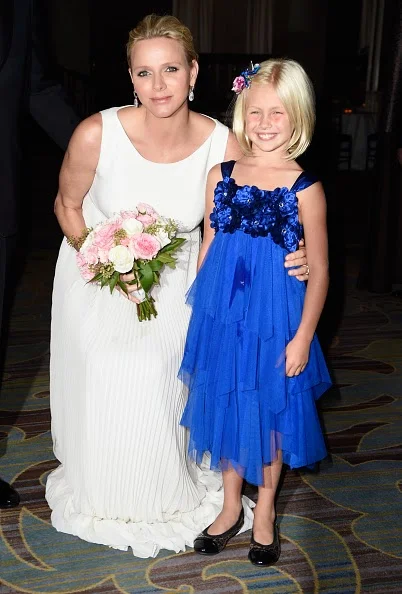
(77, 174)
(213, 178)
(312, 213)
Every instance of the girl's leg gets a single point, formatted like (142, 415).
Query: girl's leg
(232, 485)
(264, 511)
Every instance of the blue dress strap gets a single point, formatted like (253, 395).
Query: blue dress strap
(303, 181)
(227, 168)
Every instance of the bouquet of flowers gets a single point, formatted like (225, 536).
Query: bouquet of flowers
(138, 241)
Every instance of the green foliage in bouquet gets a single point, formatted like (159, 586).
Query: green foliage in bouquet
(146, 275)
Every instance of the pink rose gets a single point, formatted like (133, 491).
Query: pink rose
(146, 219)
(144, 246)
(103, 256)
(143, 207)
(80, 259)
(238, 84)
(91, 255)
(146, 214)
(129, 214)
(86, 273)
(83, 267)
(104, 237)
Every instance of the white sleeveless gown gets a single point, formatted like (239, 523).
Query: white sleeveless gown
(124, 479)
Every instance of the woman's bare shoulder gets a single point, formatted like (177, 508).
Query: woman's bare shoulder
(89, 132)
(129, 113)
(85, 145)
(203, 122)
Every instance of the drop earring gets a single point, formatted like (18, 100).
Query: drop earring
(135, 99)
(191, 94)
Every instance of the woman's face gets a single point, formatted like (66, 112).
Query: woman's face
(161, 75)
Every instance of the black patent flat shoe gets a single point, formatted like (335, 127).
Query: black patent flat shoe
(265, 555)
(8, 496)
(212, 544)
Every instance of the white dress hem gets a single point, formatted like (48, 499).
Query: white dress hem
(145, 539)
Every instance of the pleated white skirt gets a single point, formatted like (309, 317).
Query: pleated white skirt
(124, 479)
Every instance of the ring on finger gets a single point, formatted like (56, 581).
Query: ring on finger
(307, 267)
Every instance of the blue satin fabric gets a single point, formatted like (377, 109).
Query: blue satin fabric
(241, 407)
(259, 212)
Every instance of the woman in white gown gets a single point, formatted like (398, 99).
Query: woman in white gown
(124, 478)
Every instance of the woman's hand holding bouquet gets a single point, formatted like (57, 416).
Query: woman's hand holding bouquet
(138, 242)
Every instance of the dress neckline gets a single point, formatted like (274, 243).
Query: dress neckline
(278, 188)
(171, 162)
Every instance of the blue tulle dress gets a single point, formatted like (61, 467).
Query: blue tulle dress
(245, 308)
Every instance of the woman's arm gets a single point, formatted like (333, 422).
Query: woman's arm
(213, 178)
(77, 174)
(312, 211)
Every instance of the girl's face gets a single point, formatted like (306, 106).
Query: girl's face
(161, 75)
(267, 123)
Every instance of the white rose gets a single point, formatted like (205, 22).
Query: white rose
(121, 258)
(163, 238)
(132, 226)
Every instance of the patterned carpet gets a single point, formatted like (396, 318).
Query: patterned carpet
(341, 529)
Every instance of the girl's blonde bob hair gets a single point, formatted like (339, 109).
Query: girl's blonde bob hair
(168, 26)
(295, 91)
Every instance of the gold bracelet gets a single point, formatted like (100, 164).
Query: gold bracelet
(77, 242)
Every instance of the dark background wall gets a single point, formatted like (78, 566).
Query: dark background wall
(70, 33)
(89, 37)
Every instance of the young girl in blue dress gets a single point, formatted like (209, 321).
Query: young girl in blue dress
(252, 362)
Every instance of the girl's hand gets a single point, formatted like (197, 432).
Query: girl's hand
(297, 354)
(128, 278)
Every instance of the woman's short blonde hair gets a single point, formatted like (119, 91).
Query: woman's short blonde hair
(168, 26)
(295, 91)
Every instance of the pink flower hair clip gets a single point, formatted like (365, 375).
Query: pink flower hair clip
(244, 80)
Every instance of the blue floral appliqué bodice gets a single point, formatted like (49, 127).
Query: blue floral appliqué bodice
(259, 213)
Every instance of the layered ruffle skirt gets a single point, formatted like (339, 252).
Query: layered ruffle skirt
(242, 408)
